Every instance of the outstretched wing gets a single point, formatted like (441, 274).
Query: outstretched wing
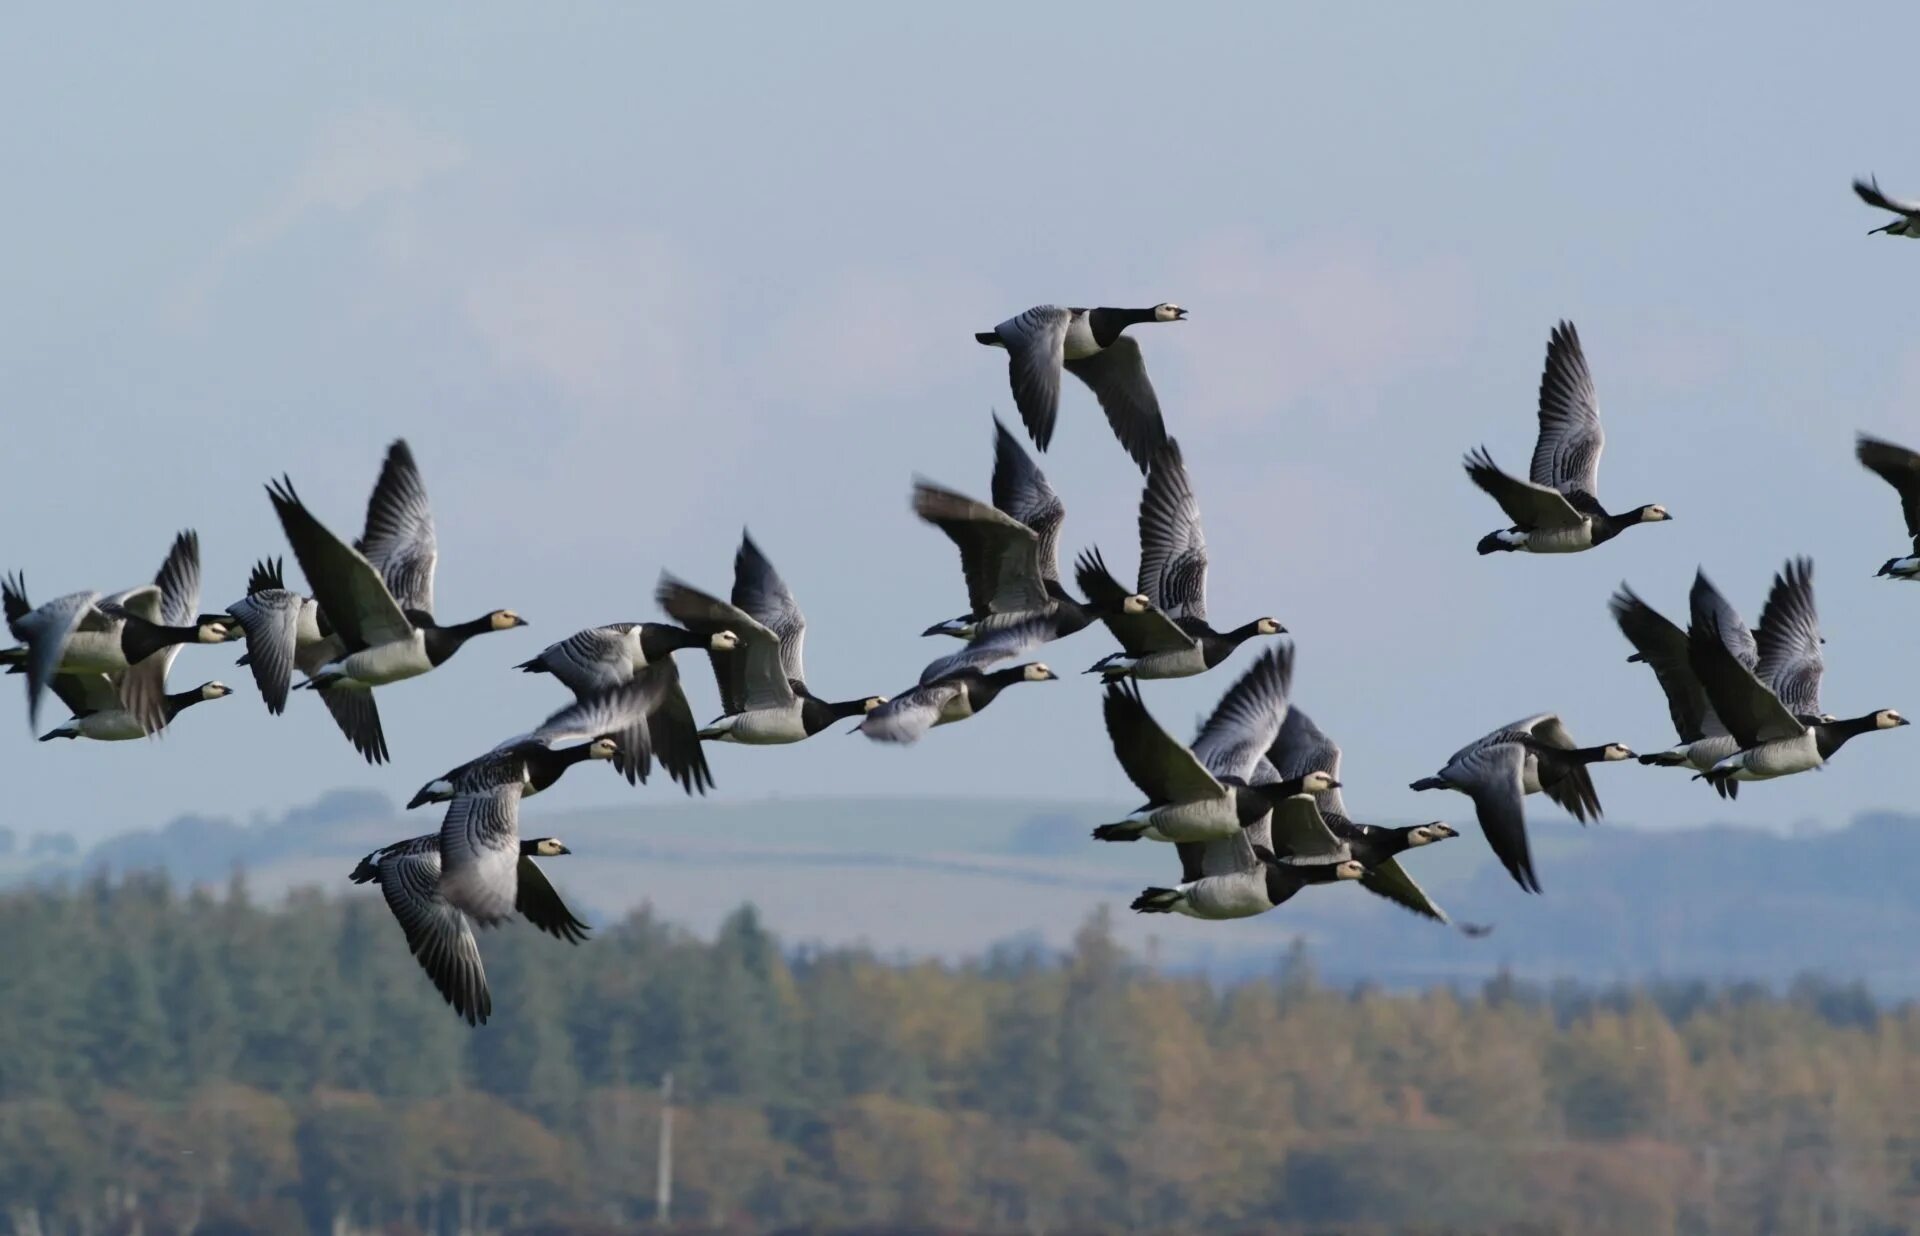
(540, 905)
(1566, 456)
(399, 539)
(1117, 375)
(1247, 719)
(1528, 505)
(1173, 552)
(1789, 640)
(1021, 490)
(759, 590)
(1036, 343)
(1900, 468)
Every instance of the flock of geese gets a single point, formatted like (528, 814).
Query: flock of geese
(1252, 806)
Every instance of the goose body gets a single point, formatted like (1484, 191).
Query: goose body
(1532, 756)
(1907, 220)
(1314, 824)
(1162, 626)
(1556, 510)
(1663, 646)
(1202, 793)
(1772, 709)
(440, 935)
(1900, 468)
(1235, 879)
(604, 658)
(132, 636)
(1093, 346)
(99, 714)
(948, 698)
(377, 594)
(763, 688)
(615, 724)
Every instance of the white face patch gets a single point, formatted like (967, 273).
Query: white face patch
(1888, 719)
(1168, 312)
(1138, 603)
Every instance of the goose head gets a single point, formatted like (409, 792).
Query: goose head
(1037, 672)
(1653, 513)
(1167, 311)
(546, 847)
(1269, 626)
(604, 747)
(505, 620)
(1318, 782)
(1138, 603)
(1616, 751)
(723, 641)
(1427, 834)
(1888, 719)
(215, 629)
(1352, 869)
(872, 702)
(214, 690)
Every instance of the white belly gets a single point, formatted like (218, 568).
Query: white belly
(1214, 819)
(765, 727)
(93, 652)
(1781, 758)
(1080, 344)
(1241, 895)
(117, 725)
(1560, 540)
(1180, 663)
(485, 888)
(373, 667)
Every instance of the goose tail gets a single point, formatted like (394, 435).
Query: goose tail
(1156, 900)
(1429, 783)
(1119, 832)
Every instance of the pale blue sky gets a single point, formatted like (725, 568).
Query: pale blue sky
(630, 279)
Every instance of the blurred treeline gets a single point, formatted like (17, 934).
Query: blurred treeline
(200, 1064)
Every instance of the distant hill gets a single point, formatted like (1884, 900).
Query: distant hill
(944, 877)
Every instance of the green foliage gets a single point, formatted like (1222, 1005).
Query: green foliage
(204, 1064)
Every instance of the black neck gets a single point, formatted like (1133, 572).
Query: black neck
(443, 642)
(1106, 324)
(658, 639)
(1588, 755)
(140, 639)
(1242, 633)
(180, 700)
(1830, 736)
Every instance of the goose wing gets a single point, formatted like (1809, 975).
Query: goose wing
(348, 586)
(1898, 467)
(1173, 553)
(1036, 343)
(1751, 711)
(440, 936)
(1566, 456)
(1247, 719)
(480, 837)
(622, 712)
(1493, 776)
(762, 594)
(270, 619)
(675, 736)
(1139, 632)
(907, 717)
(1707, 599)
(752, 676)
(1301, 748)
(999, 555)
(1300, 832)
(1230, 856)
(998, 646)
(1390, 880)
(1663, 646)
(1869, 191)
(1789, 639)
(399, 539)
(589, 660)
(84, 694)
(45, 631)
(144, 687)
(357, 717)
(1117, 376)
(1165, 770)
(540, 904)
(1021, 490)
(1528, 505)
(1566, 783)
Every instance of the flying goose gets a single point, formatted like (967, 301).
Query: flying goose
(441, 937)
(1779, 729)
(1091, 345)
(960, 686)
(600, 658)
(286, 631)
(615, 724)
(1662, 645)
(763, 683)
(1202, 793)
(1009, 552)
(1300, 750)
(1533, 755)
(1908, 223)
(99, 712)
(1237, 879)
(1557, 509)
(378, 595)
(87, 633)
(1162, 627)
(1900, 468)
